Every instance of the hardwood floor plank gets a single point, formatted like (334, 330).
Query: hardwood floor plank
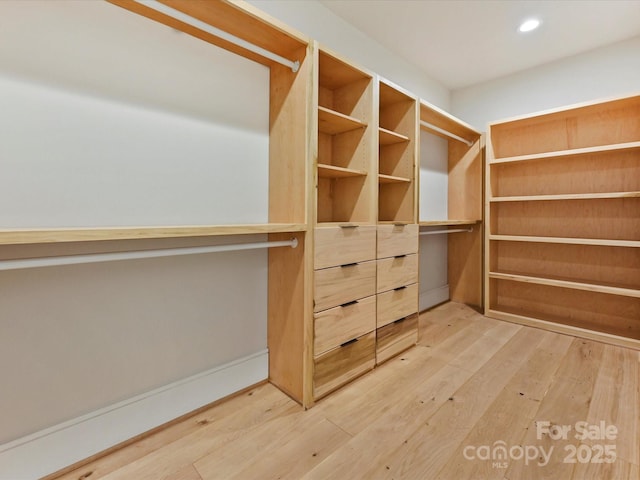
(619, 470)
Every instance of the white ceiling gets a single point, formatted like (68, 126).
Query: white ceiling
(465, 42)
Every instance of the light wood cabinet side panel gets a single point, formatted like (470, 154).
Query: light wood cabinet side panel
(464, 265)
(465, 198)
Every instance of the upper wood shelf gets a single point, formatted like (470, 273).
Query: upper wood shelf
(389, 137)
(567, 240)
(565, 282)
(391, 179)
(441, 119)
(332, 122)
(446, 223)
(617, 147)
(568, 196)
(330, 171)
(59, 235)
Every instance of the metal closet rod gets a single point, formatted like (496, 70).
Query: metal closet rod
(23, 263)
(444, 132)
(205, 27)
(452, 230)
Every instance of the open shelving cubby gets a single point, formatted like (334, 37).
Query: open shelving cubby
(345, 134)
(397, 154)
(563, 244)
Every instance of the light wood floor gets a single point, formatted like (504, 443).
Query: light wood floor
(425, 415)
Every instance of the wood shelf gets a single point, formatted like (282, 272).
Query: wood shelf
(330, 171)
(565, 282)
(391, 179)
(617, 147)
(567, 196)
(332, 122)
(389, 137)
(441, 119)
(60, 235)
(446, 223)
(567, 240)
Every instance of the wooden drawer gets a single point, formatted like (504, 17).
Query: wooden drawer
(396, 240)
(336, 367)
(396, 304)
(396, 272)
(396, 337)
(339, 324)
(340, 245)
(338, 285)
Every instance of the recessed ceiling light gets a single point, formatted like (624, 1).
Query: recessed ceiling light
(529, 25)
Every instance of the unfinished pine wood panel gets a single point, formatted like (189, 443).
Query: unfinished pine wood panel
(395, 272)
(600, 312)
(599, 265)
(603, 123)
(340, 324)
(396, 337)
(336, 367)
(465, 181)
(338, 285)
(396, 304)
(344, 244)
(602, 172)
(348, 150)
(397, 201)
(465, 267)
(615, 219)
(445, 121)
(394, 240)
(289, 320)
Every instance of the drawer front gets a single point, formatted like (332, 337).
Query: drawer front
(338, 285)
(340, 245)
(396, 240)
(395, 272)
(339, 324)
(336, 367)
(396, 337)
(396, 304)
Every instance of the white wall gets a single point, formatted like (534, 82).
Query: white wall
(604, 72)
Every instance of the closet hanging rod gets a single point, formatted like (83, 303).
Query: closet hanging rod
(23, 263)
(205, 27)
(444, 132)
(452, 230)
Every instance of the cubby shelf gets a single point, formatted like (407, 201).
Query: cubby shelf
(616, 147)
(57, 235)
(389, 137)
(332, 122)
(331, 171)
(567, 240)
(446, 223)
(567, 196)
(564, 282)
(382, 178)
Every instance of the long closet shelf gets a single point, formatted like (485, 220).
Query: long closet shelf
(332, 122)
(567, 240)
(59, 235)
(616, 147)
(391, 179)
(330, 171)
(389, 137)
(445, 223)
(567, 196)
(565, 282)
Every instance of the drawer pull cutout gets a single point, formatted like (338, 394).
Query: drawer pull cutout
(400, 288)
(400, 256)
(349, 265)
(348, 225)
(349, 342)
(353, 302)
(401, 320)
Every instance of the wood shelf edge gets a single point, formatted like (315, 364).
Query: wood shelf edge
(567, 196)
(444, 223)
(63, 235)
(331, 171)
(382, 178)
(567, 240)
(567, 153)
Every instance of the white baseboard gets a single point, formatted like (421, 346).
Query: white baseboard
(433, 297)
(50, 450)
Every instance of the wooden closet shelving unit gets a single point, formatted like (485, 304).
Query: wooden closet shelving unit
(464, 203)
(563, 203)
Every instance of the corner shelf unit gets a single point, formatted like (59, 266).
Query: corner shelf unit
(563, 206)
(465, 203)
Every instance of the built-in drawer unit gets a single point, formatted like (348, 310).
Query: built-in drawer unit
(339, 365)
(396, 272)
(396, 337)
(396, 304)
(339, 285)
(395, 239)
(344, 244)
(337, 325)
